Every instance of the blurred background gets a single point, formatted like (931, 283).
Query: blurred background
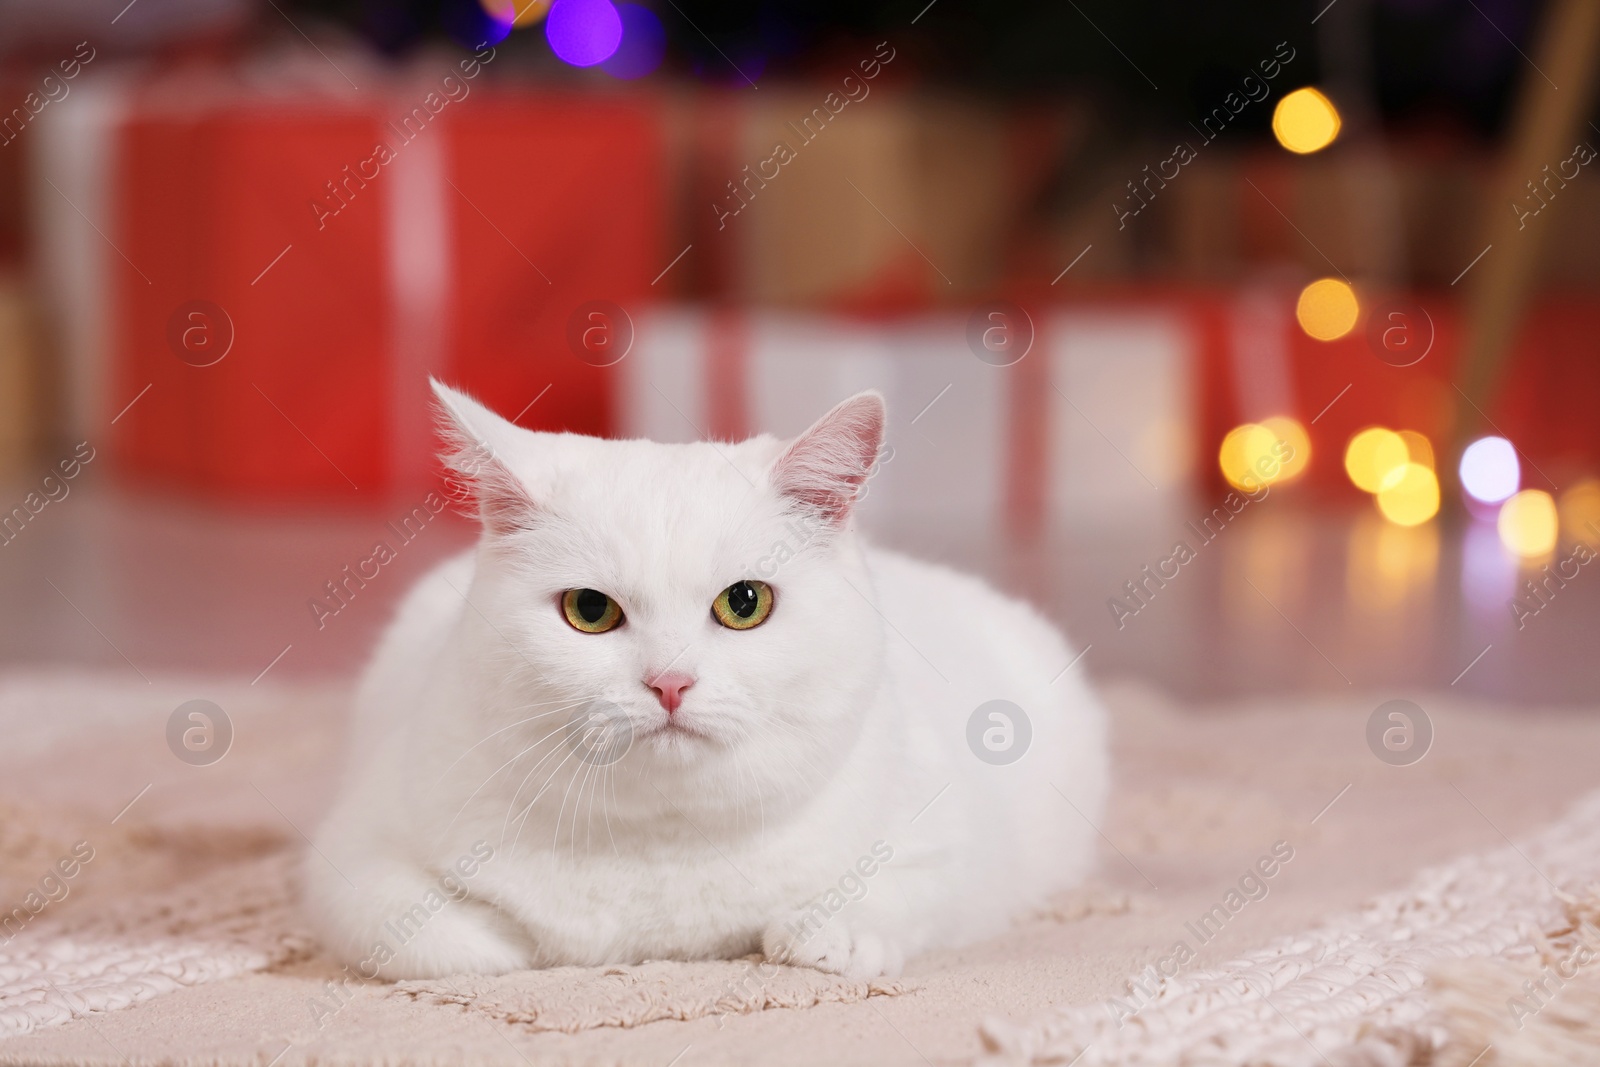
(1256, 342)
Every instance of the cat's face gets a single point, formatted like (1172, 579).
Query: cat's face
(692, 613)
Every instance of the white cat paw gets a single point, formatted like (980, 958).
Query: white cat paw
(832, 947)
(466, 937)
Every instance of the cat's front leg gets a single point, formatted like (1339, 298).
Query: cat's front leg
(392, 920)
(853, 946)
(466, 937)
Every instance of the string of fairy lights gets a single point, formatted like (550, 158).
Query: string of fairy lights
(1396, 466)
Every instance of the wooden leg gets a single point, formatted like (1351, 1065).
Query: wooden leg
(1554, 98)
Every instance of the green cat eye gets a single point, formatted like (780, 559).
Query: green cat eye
(590, 611)
(743, 605)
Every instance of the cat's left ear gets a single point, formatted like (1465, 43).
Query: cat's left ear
(825, 467)
(476, 441)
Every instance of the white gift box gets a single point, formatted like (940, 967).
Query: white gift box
(1117, 427)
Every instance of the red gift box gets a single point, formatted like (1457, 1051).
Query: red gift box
(292, 269)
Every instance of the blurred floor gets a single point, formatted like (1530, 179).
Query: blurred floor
(1285, 600)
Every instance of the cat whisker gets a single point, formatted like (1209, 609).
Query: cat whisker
(610, 783)
(503, 729)
(761, 804)
(595, 781)
(506, 824)
(591, 777)
(598, 792)
(522, 820)
(573, 837)
(473, 795)
(500, 768)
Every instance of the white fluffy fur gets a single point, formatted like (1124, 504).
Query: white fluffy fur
(828, 735)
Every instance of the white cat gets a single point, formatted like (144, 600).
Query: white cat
(672, 707)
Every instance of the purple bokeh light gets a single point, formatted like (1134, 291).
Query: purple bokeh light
(583, 32)
(644, 43)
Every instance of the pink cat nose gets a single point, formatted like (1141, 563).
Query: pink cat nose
(669, 689)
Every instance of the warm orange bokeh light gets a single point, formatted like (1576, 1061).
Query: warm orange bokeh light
(1411, 496)
(1327, 309)
(520, 13)
(1373, 456)
(1528, 523)
(1305, 121)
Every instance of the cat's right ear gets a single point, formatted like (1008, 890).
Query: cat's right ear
(475, 439)
(824, 468)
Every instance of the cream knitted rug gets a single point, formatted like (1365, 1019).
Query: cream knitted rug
(1355, 989)
(177, 943)
(199, 908)
(1542, 1012)
(571, 999)
(220, 907)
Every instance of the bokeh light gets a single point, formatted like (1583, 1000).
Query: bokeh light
(1418, 448)
(1528, 523)
(519, 13)
(1489, 469)
(1305, 121)
(1327, 309)
(1410, 496)
(1580, 512)
(1247, 458)
(644, 43)
(1288, 430)
(583, 32)
(528, 12)
(1374, 456)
